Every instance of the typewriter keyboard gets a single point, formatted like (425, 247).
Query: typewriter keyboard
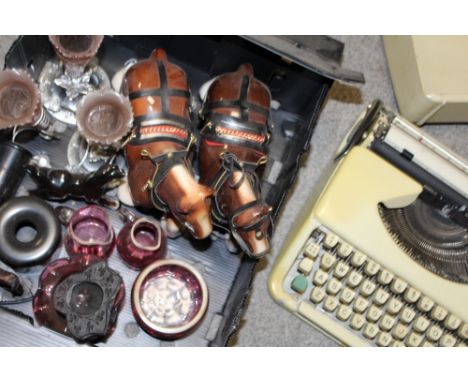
(373, 303)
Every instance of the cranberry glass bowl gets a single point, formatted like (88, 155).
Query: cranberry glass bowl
(169, 299)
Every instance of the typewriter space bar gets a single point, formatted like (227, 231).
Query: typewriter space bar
(334, 328)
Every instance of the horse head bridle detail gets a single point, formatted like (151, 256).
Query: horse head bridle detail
(160, 174)
(233, 149)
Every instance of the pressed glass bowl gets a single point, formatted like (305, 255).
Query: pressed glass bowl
(169, 299)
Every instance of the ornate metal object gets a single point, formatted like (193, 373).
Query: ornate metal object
(75, 73)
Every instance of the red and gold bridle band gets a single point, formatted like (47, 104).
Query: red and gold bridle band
(152, 131)
(257, 138)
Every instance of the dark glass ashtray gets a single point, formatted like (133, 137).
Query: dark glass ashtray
(79, 297)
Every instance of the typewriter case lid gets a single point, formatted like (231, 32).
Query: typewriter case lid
(429, 77)
(299, 71)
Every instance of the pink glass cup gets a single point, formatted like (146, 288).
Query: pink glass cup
(20, 101)
(90, 232)
(75, 51)
(141, 242)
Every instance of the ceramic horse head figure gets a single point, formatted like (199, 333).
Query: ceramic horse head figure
(233, 148)
(159, 170)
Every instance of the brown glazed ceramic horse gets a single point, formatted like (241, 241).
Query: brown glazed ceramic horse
(232, 151)
(159, 172)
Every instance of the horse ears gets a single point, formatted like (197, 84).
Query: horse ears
(252, 215)
(207, 191)
(246, 70)
(183, 205)
(159, 54)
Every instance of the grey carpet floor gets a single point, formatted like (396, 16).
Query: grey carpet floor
(264, 322)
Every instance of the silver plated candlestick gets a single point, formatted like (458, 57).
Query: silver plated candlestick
(20, 102)
(73, 73)
(104, 118)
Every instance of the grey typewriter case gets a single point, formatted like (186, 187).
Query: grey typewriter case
(298, 70)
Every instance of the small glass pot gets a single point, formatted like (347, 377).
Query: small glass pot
(141, 242)
(90, 232)
(169, 299)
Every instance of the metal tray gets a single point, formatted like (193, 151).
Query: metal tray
(299, 92)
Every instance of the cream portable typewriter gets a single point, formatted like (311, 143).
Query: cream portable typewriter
(381, 256)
